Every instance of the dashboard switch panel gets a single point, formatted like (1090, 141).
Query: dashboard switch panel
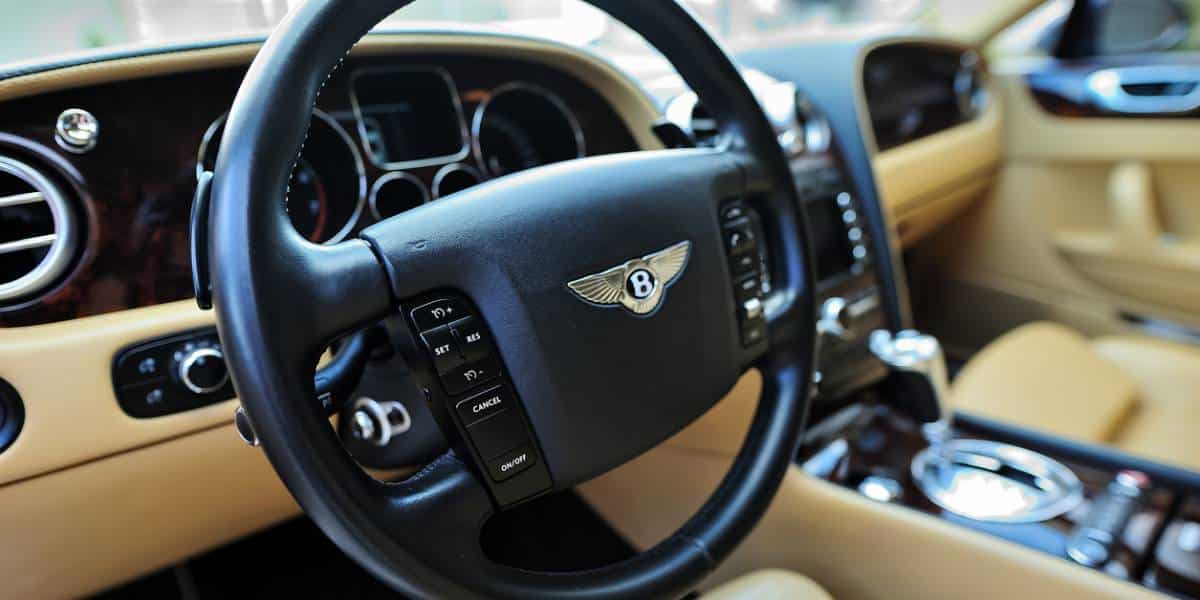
(171, 375)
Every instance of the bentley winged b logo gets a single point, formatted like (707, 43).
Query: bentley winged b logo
(638, 285)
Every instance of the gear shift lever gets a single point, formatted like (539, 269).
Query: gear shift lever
(917, 359)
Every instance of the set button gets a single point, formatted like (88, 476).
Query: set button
(443, 348)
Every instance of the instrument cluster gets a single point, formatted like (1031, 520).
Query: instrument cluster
(423, 138)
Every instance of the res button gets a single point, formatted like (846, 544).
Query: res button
(472, 339)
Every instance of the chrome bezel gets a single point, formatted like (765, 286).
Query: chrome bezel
(186, 364)
(372, 201)
(361, 169)
(464, 132)
(992, 457)
(62, 247)
(515, 86)
(451, 168)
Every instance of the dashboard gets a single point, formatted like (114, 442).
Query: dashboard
(388, 135)
(118, 210)
(916, 90)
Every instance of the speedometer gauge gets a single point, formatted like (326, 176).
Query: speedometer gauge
(521, 126)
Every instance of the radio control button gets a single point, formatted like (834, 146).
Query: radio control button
(732, 212)
(739, 238)
(752, 309)
(743, 263)
(748, 287)
(754, 331)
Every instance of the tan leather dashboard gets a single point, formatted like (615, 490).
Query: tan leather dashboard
(96, 497)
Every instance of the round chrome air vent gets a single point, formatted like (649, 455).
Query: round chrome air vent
(38, 231)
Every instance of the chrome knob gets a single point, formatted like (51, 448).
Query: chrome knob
(378, 422)
(203, 370)
(835, 319)
(76, 130)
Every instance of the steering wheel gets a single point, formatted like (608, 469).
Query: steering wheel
(608, 336)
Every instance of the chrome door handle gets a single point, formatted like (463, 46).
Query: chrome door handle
(1147, 90)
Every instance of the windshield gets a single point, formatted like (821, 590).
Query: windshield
(39, 29)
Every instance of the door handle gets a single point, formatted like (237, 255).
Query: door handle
(1147, 90)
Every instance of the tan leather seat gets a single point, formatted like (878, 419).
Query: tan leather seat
(769, 584)
(1137, 394)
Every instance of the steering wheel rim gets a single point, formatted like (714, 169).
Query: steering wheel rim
(421, 535)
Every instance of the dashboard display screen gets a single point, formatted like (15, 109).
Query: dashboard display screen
(829, 238)
(408, 116)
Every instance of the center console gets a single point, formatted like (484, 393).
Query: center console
(1126, 517)
(849, 301)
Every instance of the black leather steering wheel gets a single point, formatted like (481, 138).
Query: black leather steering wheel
(598, 385)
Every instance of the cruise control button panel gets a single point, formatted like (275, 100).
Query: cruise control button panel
(466, 376)
(171, 374)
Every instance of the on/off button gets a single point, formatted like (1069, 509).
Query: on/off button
(481, 406)
(511, 463)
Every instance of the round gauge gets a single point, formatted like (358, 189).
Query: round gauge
(521, 126)
(307, 203)
(327, 191)
(454, 178)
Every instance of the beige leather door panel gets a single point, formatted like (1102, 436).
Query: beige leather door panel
(1094, 222)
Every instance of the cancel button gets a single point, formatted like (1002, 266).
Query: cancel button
(481, 406)
(512, 463)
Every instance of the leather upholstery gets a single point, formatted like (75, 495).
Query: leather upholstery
(1046, 377)
(769, 584)
(1165, 425)
(1135, 394)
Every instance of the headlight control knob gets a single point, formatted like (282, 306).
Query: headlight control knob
(203, 370)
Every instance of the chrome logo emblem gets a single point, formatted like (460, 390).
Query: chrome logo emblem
(639, 285)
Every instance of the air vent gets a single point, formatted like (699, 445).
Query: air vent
(38, 233)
